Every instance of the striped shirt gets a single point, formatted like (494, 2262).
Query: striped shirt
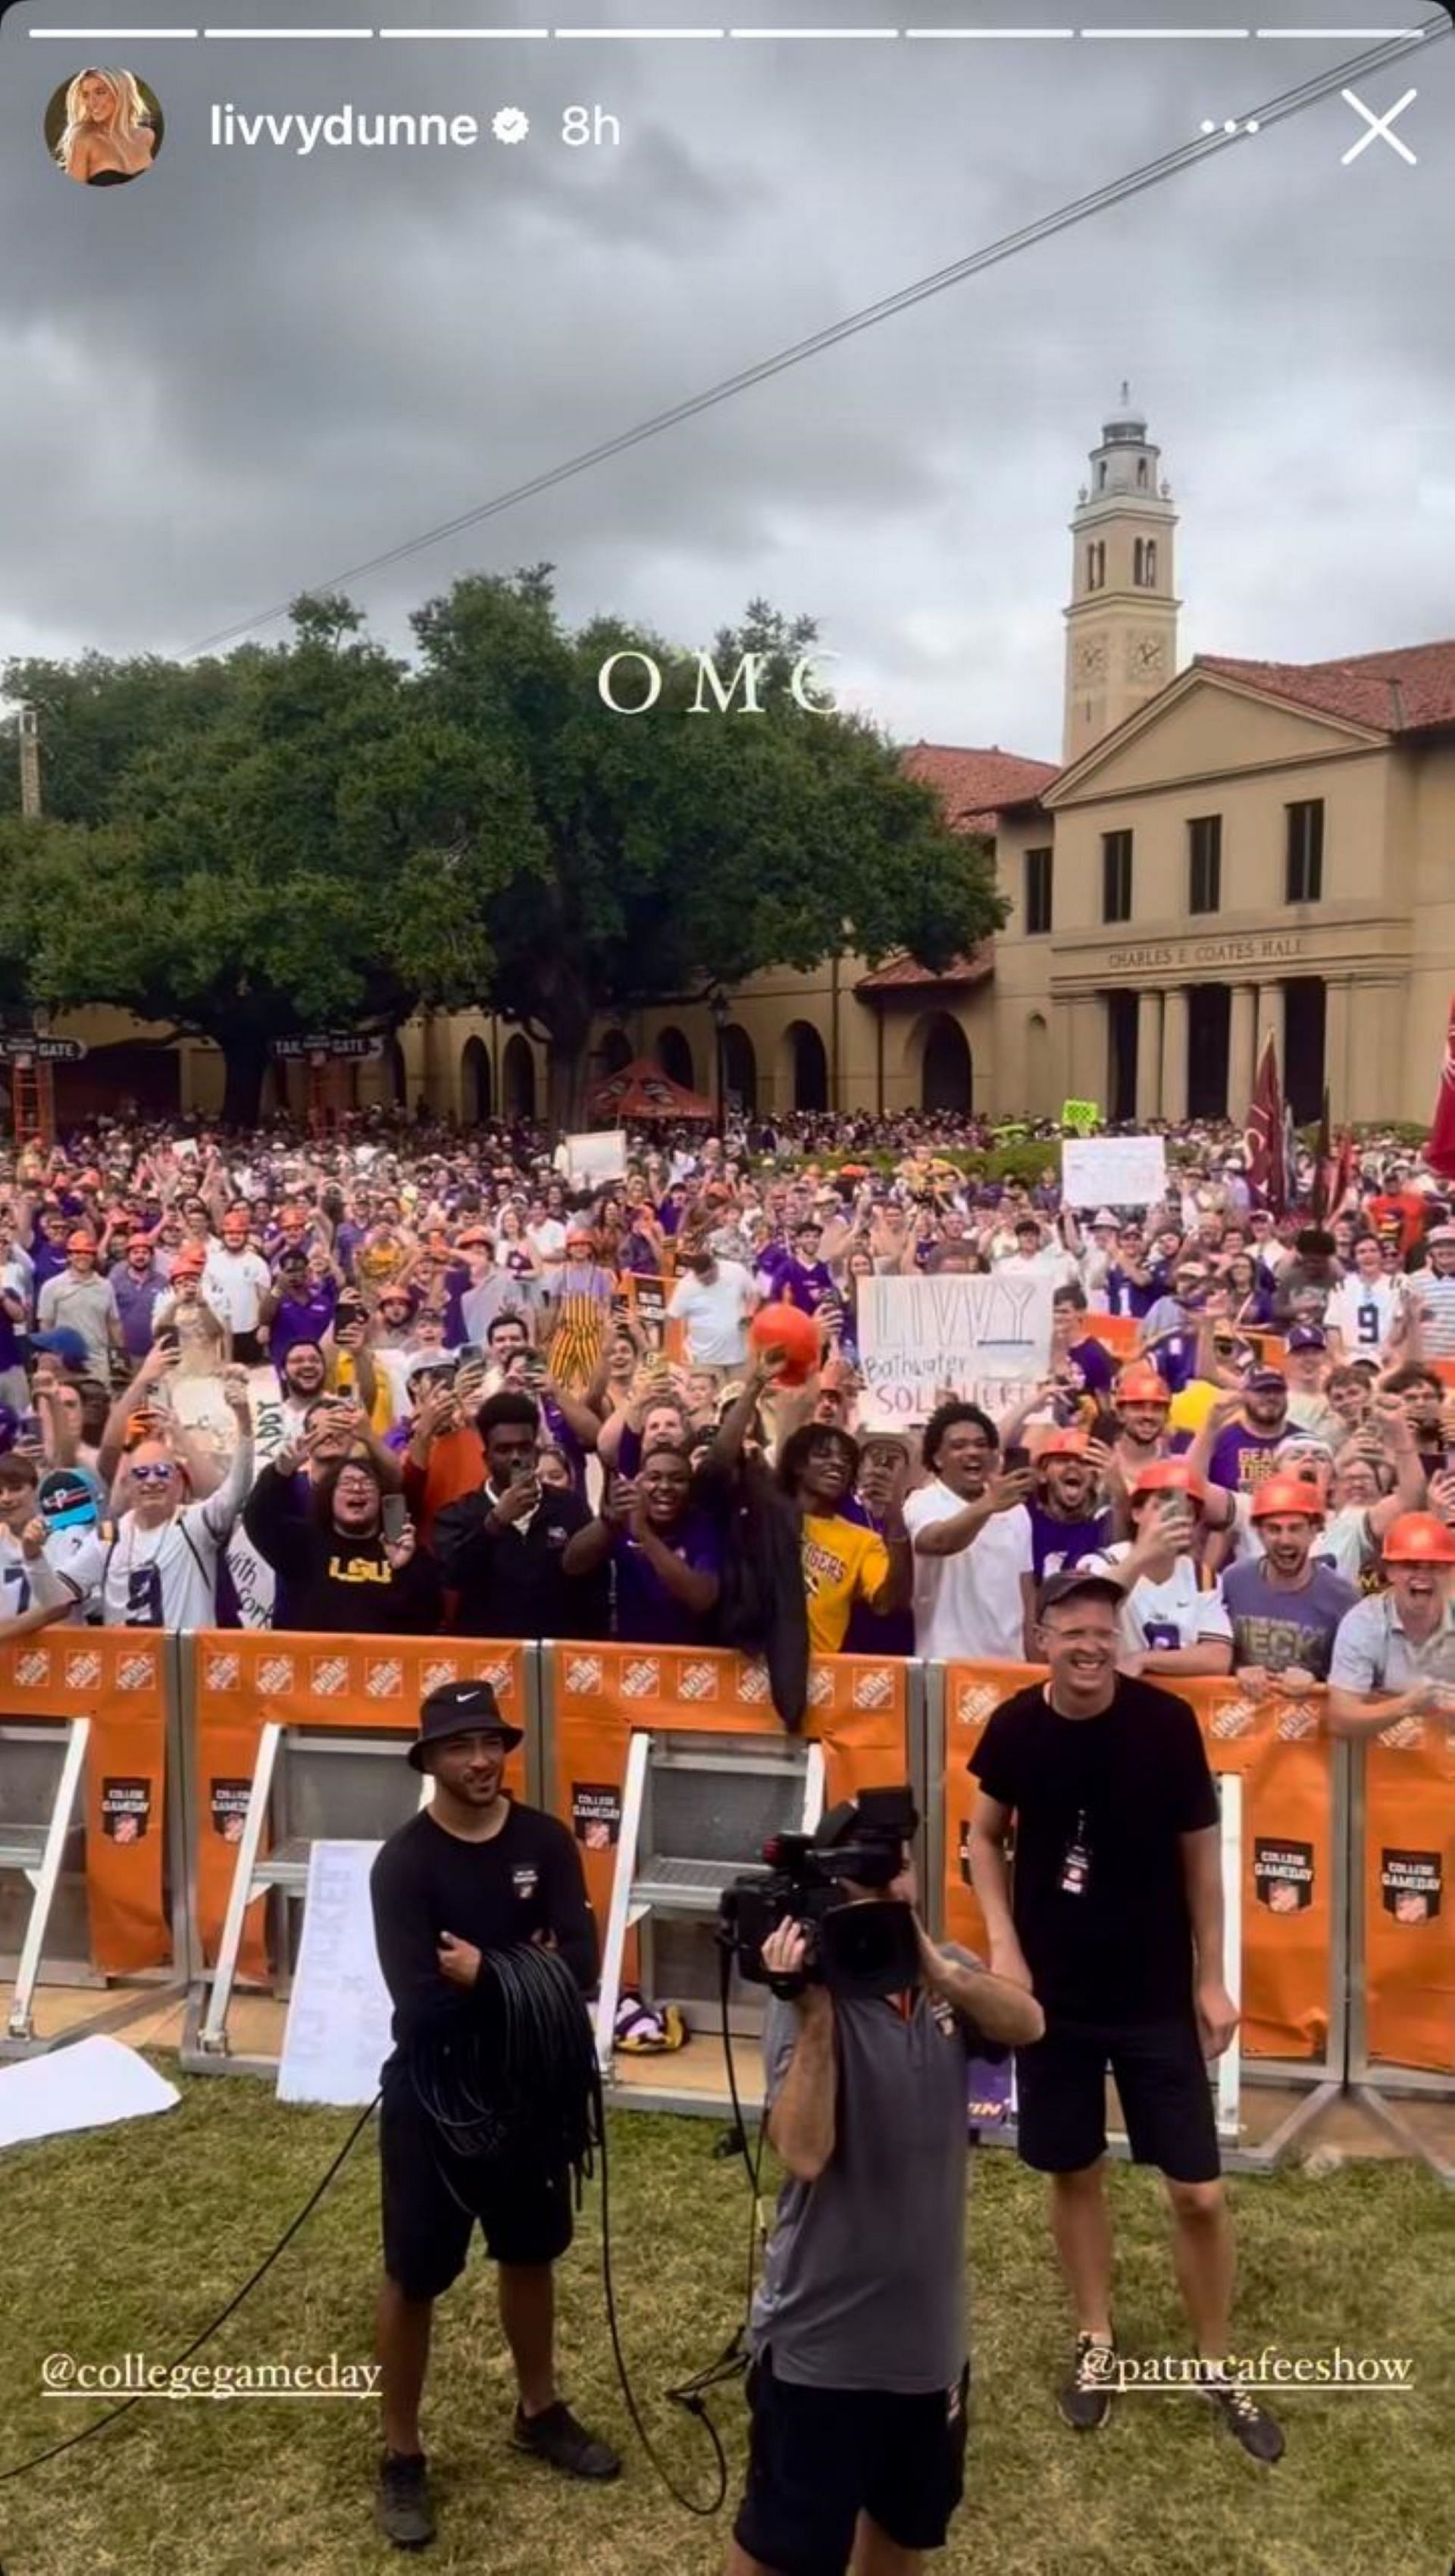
(1434, 1301)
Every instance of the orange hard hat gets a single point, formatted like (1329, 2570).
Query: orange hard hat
(1168, 1476)
(1141, 1384)
(1294, 1494)
(1062, 1444)
(1419, 1538)
(80, 1241)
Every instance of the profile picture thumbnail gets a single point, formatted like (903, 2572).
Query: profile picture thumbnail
(104, 128)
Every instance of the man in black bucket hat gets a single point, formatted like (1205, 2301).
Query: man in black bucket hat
(474, 1871)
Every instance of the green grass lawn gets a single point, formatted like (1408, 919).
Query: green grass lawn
(131, 2239)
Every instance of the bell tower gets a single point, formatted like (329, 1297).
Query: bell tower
(1121, 626)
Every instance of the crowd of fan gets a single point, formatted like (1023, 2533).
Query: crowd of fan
(404, 1379)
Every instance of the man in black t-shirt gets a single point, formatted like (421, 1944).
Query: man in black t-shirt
(1116, 1925)
(474, 1871)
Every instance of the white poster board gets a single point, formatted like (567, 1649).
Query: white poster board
(338, 2013)
(982, 1337)
(1113, 1171)
(593, 1160)
(83, 2086)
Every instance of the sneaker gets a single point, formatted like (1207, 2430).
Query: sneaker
(556, 2436)
(1085, 2401)
(401, 2506)
(1260, 2433)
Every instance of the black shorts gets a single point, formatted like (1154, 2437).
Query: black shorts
(819, 2457)
(1162, 2082)
(248, 1350)
(432, 2201)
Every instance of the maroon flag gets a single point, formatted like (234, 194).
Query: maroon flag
(1267, 1173)
(1440, 1151)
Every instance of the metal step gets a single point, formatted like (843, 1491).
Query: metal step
(23, 1846)
(285, 1868)
(683, 1886)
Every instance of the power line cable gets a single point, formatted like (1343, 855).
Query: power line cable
(1116, 192)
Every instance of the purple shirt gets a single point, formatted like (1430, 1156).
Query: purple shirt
(1055, 1544)
(647, 1614)
(302, 1319)
(1240, 1457)
(136, 1301)
(1276, 1628)
(868, 1633)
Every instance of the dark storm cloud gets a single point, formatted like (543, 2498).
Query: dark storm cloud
(252, 370)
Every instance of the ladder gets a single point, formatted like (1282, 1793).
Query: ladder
(256, 1873)
(38, 1851)
(32, 1100)
(650, 1881)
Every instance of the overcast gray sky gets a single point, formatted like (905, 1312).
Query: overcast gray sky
(252, 369)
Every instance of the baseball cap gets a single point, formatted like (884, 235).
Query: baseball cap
(1311, 1337)
(430, 1364)
(1441, 1234)
(1065, 1587)
(1265, 1375)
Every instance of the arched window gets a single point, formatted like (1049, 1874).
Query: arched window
(1101, 476)
(1141, 474)
(674, 1055)
(1137, 554)
(1150, 561)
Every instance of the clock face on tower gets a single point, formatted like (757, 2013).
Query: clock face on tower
(1091, 658)
(1147, 656)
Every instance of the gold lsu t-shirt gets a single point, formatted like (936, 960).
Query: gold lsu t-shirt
(842, 1563)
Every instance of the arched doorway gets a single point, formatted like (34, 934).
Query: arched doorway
(739, 1070)
(806, 1065)
(614, 1052)
(518, 1078)
(674, 1055)
(474, 1083)
(947, 1077)
(1037, 1102)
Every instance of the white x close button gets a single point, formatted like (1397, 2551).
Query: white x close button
(1379, 127)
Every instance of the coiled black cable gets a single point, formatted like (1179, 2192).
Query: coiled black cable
(516, 2084)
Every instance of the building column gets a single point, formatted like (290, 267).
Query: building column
(1338, 1000)
(1149, 1055)
(1174, 1055)
(1270, 1025)
(1242, 1013)
(1088, 1048)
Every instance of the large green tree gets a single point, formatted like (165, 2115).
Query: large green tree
(317, 834)
(303, 847)
(679, 849)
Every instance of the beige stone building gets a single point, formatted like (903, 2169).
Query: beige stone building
(1229, 851)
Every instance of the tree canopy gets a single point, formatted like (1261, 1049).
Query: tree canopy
(317, 833)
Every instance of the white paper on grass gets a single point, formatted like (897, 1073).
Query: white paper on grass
(337, 2036)
(85, 2085)
(982, 1336)
(1113, 1171)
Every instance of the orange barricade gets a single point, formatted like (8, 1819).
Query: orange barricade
(1408, 1895)
(601, 1695)
(118, 1679)
(244, 1681)
(1285, 1761)
(647, 1300)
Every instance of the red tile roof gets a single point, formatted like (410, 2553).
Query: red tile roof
(1405, 691)
(975, 786)
(902, 973)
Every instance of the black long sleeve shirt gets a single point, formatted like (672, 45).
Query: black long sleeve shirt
(510, 1581)
(334, 1584)
(495, 1894)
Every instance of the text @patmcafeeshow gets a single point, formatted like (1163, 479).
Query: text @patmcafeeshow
(132, 2374)
(1371, 2373)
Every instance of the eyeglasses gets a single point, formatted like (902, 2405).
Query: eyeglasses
(160, 1474)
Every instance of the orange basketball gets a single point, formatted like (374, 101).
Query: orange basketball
(790, 1330)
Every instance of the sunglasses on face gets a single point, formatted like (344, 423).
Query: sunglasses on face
(160, 1474)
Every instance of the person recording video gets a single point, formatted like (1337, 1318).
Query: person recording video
(859, 2372)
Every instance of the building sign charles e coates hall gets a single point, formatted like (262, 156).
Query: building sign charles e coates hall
(1265, 951)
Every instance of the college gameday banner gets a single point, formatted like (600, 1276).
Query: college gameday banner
(1278, 1749)
(1408, 1895)
(118, 1680)
(602, 1695)
(245, 1681)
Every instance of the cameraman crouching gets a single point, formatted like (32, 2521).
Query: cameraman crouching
(859, 2374)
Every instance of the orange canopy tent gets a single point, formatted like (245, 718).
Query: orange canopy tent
(643, 1090)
